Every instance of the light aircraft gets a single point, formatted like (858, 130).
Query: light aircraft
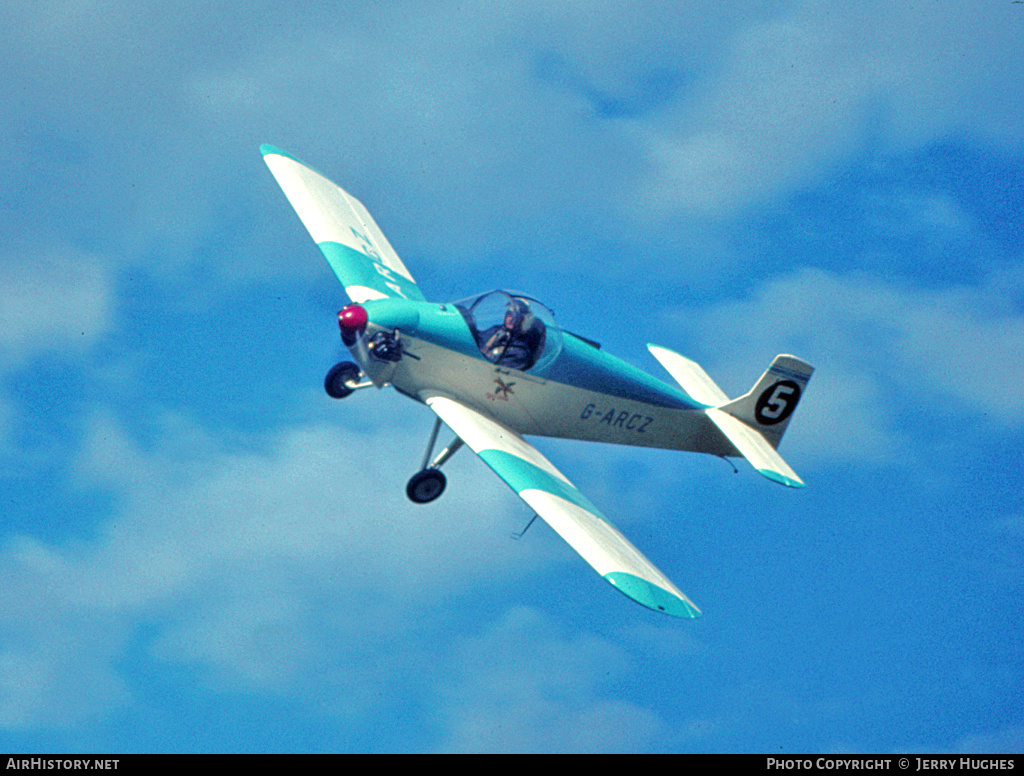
(495, 367)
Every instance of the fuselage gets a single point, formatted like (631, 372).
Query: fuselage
(575, 390)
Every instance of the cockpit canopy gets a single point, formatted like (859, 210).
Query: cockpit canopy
(512, 330)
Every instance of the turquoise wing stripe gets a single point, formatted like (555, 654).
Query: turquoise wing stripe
(522, 475)
(780, 478)
(355, 268)
(650, 595)
(266, 149)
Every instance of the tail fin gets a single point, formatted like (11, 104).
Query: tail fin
(755, 422)
(769, 405)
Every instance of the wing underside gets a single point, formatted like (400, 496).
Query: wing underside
(564, 508)
(346, 234)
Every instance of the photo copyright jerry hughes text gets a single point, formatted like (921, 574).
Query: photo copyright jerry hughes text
(891, 763)
(59, 764)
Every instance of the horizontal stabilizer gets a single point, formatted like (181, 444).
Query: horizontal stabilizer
(755, 448)
(755, 422)
(690, 375)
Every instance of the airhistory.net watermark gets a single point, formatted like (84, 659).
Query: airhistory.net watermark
(59, 764)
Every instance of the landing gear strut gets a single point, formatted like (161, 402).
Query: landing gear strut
(428, 483)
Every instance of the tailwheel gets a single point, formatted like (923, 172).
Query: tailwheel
(425, 486)
(342, 380)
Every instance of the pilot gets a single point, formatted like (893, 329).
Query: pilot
(514, 343)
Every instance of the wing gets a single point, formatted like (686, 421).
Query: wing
(352, 243)
(564, 508)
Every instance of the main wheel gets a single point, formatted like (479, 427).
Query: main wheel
(425, 486)
(340, 374)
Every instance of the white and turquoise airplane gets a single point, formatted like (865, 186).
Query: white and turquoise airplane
(496, 367)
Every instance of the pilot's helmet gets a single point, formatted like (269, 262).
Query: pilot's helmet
(518, 316)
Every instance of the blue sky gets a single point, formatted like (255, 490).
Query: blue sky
(201, 552)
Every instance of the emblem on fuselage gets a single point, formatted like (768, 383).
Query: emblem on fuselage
(502, 392)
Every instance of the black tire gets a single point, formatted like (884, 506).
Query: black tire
(425, 486)
(340, 374)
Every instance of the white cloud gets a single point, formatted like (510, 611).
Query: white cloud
(781, 106)
(271, 568)
(808, 89)
(58, 299)
(58, 679)
(521, 686)
(296, 568)
(446, 111)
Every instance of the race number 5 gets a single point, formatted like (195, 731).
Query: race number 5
(777, 402)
